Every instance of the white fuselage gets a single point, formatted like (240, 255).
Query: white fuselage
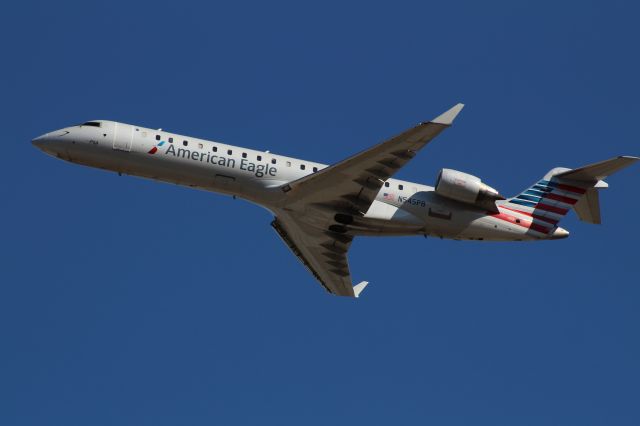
(400, 208)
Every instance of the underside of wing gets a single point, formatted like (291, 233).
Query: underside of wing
(324, 254)
(352, 184)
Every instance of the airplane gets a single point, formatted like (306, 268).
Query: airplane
(319, 209)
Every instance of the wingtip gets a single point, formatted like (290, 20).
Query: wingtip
(357, 289)
(447, 117)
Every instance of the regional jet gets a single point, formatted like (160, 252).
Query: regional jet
(318, 209)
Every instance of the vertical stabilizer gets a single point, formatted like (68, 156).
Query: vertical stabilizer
(588, 207)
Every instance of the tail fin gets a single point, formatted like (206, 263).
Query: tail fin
(588, 207)
(550, 199)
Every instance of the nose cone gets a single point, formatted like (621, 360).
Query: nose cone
(53, 143)
(559, 233)
(40, 141)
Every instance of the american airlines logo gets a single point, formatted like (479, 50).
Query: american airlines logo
(257, 169)
(155, 148)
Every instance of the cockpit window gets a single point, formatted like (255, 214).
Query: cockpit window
(92, 124)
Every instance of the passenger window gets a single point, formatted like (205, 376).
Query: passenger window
(229, 152)
(400, 187)
(315, 169)
(200, 146)
(157, 137)
(302, 166)
(259, 157)
(170, 140)
(288, 163)
(244, 155)
(214, 149)
(185, 143)
(386, 184)
(273, 161)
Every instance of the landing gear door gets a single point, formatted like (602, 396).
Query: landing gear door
(122, 137)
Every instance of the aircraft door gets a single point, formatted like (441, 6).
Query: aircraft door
(122, 137)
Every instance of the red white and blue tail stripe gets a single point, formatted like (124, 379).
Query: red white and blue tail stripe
(541, 206)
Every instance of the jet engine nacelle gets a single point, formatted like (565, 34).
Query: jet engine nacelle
(466, 188)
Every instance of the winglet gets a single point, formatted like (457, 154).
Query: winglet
(357, 289)
(448, 117)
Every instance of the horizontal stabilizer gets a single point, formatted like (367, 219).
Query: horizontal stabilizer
(598, 171)
(357, 289)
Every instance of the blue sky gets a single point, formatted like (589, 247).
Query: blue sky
(126, 301)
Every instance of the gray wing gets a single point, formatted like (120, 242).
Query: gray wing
(353, 184)
(324, 254)
(349, 186)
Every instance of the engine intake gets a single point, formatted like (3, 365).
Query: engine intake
(466, 188)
